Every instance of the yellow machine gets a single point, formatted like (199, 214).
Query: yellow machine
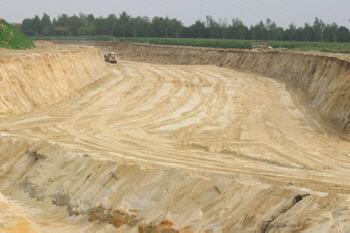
(110, 57)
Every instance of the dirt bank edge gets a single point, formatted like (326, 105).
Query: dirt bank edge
(36, 79)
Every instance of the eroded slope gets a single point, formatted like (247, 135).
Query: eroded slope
(45, 76)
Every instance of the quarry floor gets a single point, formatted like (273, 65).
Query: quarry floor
(200, 118)
(204, 120)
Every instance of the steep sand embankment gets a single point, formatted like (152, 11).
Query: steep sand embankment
(324, 79)
(45, 77)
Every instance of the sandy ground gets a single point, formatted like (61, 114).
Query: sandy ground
(201, 118)
(196, 118)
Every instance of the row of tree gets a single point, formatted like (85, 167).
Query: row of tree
(125, 25)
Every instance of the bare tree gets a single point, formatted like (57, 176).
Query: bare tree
(223, 26)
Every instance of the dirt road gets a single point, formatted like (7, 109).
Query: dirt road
(217, 136)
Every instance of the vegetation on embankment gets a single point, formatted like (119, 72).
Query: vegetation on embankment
(12, 38)
(215, 43)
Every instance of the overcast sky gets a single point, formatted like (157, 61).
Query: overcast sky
(250, 12)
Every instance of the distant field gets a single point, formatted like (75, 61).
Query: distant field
(217, 43)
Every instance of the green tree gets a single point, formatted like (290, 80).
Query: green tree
(87, 24)
(199, 28)
(307, 32)
(146, 27)
(271, 28)
(90, 19)
(175, 27)
(279, 33)
(251, 33)
(73, 25)
(124, 24)
(100, 26)
(136, 25)
(60, 31)
(46, 25)
(62, 21)
(212, 27)
(45, 20)
(112, 24)
(291, 33)
(238, 29)
(27, 27)
(319, 27)
(139, 26)
(330, 32)
(223, 27)
(85, 31)
(160, 26)
(343, 34)
(37, 26)
(260, 31)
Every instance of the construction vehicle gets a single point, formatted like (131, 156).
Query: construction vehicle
(110, 57)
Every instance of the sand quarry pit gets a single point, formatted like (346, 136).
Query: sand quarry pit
(173, 139)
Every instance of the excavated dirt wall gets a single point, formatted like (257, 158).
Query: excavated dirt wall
(28, 81)
(106, 194)
(325, 80)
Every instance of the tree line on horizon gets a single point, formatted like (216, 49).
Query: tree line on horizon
(124, 25)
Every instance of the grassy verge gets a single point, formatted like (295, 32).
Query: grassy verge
(216, 43)
(333, 47)
(11, 38)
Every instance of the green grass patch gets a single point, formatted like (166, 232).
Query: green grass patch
(216, 43)
(334, 47)
(88, 38)
(11, 38)
(213, 43)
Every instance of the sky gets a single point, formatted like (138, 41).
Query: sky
(250, 12)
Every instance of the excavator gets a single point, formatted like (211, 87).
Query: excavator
(110, 57)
